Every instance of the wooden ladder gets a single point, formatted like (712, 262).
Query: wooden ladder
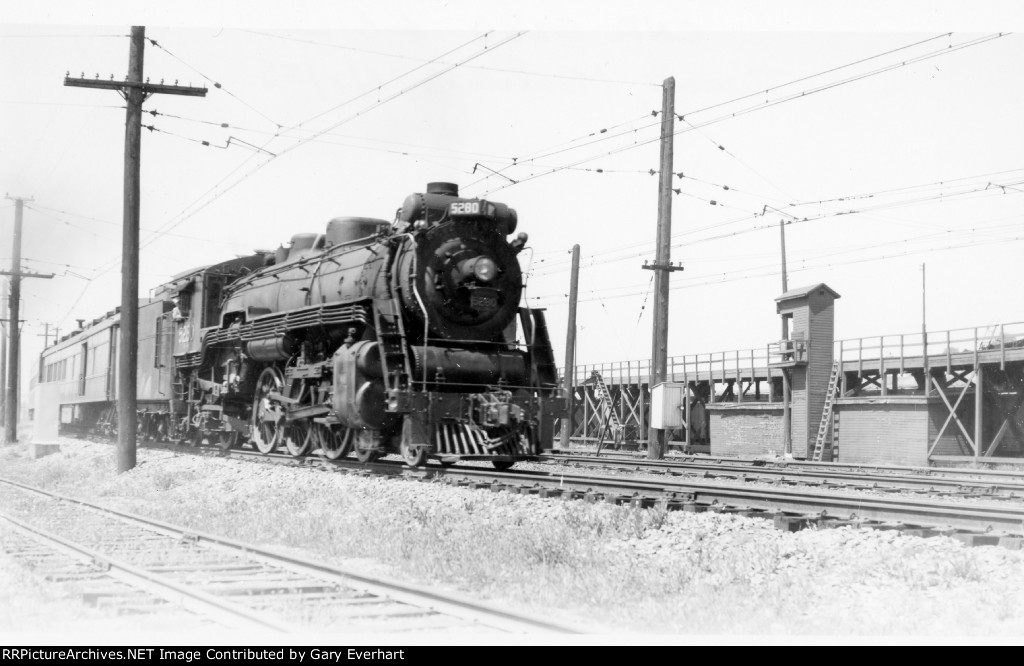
(826, 413)
(610, 420)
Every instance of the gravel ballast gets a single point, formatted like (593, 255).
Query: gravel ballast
(611, 570)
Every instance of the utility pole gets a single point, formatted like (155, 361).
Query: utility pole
(3, 349)
(46, 343)
(14, 328)
(785, 279)
(924, 339)
(135, 92)
(662, 260)
(570, 348)
(787, 417)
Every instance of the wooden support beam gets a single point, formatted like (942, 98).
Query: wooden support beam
(952, 415)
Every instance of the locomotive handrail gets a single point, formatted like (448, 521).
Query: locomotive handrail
(419, 300)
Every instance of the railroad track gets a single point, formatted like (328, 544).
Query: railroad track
(949, 485)
(980, 521)
(975, 522)
(134, 564)
(986, 474)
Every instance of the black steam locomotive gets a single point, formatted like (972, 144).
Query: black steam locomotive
(372, 337)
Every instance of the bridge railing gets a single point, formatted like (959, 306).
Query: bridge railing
(898, 350)
(716, 366)
(903, 350)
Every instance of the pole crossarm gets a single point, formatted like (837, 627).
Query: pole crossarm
(146, 88)
(27, 275)
(662, 267)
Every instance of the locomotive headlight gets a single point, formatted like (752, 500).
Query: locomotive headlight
(485, 269)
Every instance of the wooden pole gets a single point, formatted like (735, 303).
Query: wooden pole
(128, 354)
(3, 348)
(924, 339)
(787, 416)
(785, 278)
(979, 431)
(135, 92)
(570, 348)
(11, 402)
(662, 261)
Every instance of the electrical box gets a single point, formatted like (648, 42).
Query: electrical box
(666, 403)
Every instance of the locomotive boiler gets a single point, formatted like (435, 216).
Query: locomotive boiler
(373, 337)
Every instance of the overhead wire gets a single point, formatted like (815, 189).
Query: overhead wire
(479, 67)
(215, 83)
(608, 255)
(186, 213)
(756, 107)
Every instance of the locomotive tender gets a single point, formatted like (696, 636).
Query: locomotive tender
(372, 337)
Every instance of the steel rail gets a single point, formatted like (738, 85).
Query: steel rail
(782, 469)
(190, 598)
(880, 468)
(970, 516)
(486, 614)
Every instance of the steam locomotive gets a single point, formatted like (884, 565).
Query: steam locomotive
(374, 337)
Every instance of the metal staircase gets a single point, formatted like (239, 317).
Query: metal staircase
(826, 412)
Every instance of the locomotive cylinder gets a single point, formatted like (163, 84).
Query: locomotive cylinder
(460, 366)
(359, 395)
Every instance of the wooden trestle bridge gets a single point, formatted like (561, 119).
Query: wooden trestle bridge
(913, 397)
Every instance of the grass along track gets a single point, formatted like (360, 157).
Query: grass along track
(240, 584)
(791, 507)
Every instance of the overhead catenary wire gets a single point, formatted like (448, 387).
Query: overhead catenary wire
(613, 255)
(756, 107)
(215, 83)
(207, 198)
(550, 301)
(566, 77)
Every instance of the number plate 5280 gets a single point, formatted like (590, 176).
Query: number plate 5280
(464, 208)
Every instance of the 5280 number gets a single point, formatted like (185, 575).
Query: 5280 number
(465, 208)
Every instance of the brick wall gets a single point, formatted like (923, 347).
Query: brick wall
(745, 429)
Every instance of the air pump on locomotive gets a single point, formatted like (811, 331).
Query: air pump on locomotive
(373, 337)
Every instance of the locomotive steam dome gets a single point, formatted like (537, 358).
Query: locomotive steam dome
(461, 276)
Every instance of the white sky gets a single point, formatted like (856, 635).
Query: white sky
(384, 112)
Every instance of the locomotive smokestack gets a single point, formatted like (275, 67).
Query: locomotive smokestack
(450, 189)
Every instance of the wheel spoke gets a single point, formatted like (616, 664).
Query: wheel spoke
(267, 426)
(334, 442)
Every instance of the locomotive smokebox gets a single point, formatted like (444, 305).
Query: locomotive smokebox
(450, 189)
